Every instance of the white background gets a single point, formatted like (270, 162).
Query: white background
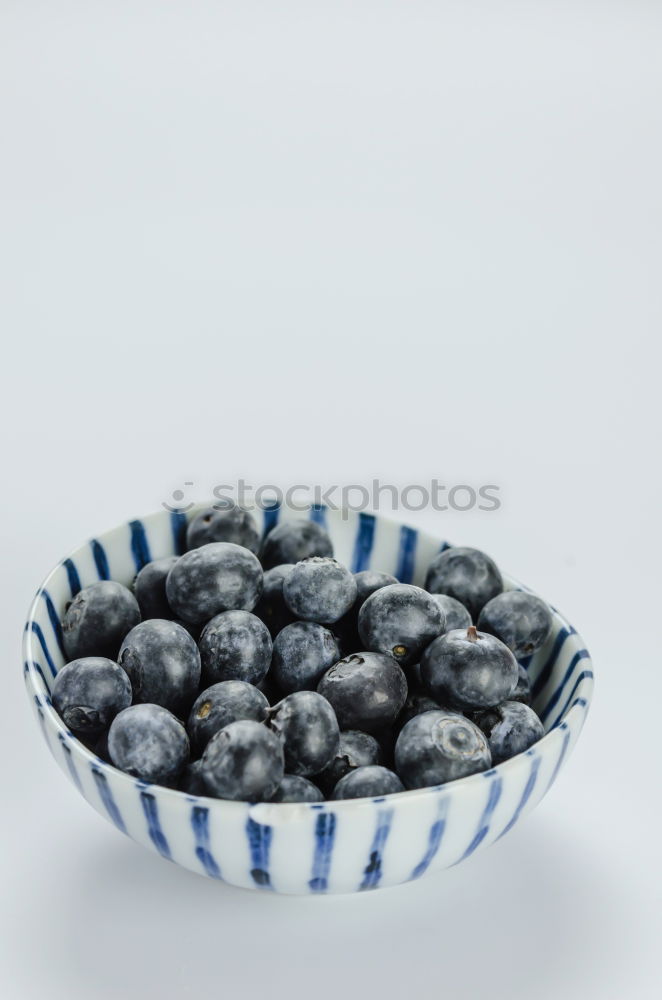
(325, 242)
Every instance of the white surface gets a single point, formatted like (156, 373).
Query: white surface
(231, 233)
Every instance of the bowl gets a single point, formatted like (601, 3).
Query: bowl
(330, 847)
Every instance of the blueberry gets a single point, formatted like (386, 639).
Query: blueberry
(307, 725)
(271, 607)
(367, 582)
(222, 704)
(401, 620)
(468, 575)
(149, 588)
(523, 690)
(417, 702)
(191, 780)
(303, 651)
(319, 589)
(220, 576)
(163, 664)
(148, 742)
(230, 524)
(295, 788)
(291, 541)
(511, 728)
(356, 749)
(97, 620)
(244, 762)
(469, 669)
(367, 783)
(235, 645)
(346, 629)
(522, 621)
(366, 690)
(456, 614)
(436, 747)
(88, 693)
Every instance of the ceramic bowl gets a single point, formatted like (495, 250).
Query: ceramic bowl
(344, 846)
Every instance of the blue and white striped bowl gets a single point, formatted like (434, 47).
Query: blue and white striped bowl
(305, 848)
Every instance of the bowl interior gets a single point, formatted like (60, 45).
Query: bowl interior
(560, 672)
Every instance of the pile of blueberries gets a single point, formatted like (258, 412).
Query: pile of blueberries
(287, 678)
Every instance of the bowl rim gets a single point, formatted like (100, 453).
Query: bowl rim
(578, 706)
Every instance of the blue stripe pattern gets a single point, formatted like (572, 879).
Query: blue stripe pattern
(581, 654)
(584, 675)
(325, 831)
(270, 518)
(42, 721)
(54, 620)
(526, 794)
(200, 824)
(36, 628)
(318, 514)
(546, 670)
(139, 544)
(259, 841)
(178, 525)
(156, 834)
(373, 871)
(405, 568)
(35, 666)
(70, 762)
(496, 788)
(72, 576)
(100, 559)
(106, 797)
(564, 747)
(363, 543)
(434, 840)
